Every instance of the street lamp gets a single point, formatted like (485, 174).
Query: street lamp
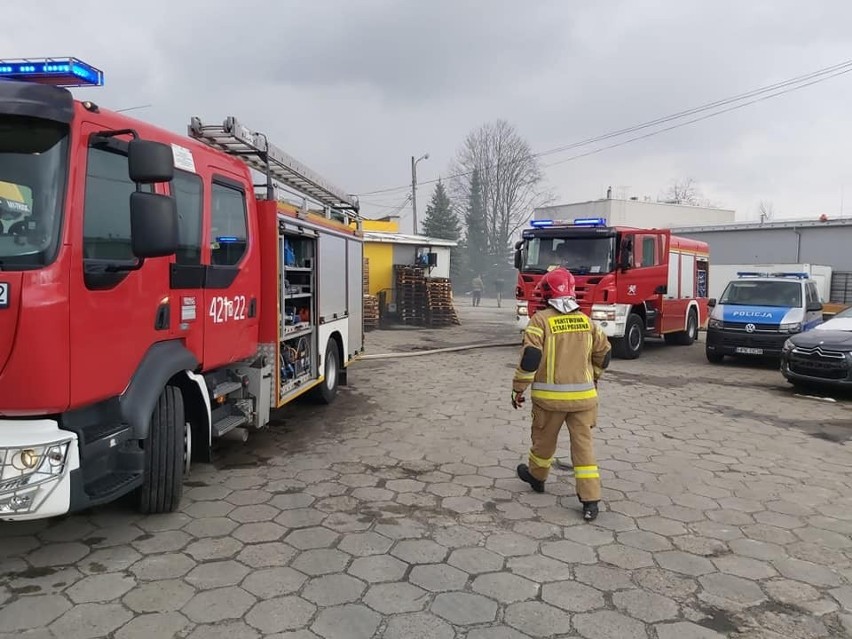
(414, 186)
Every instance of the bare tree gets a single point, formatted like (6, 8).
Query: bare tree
(766, 210)
(510, 180)
(683, 191)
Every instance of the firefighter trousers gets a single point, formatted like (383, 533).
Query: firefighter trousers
(545, 434)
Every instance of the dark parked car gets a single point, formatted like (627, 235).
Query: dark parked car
(821, 356)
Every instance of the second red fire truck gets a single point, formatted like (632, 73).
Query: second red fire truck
(150, 300)
(633, 283)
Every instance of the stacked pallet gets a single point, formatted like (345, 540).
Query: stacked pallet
(411, 294)
(371, 312)
(366, 276)
(439, 301)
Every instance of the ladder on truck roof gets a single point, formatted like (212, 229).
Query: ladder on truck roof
(255, 150)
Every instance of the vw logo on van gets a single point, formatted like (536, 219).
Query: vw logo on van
(749, 328)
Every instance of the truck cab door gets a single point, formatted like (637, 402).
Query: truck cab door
(232, 277)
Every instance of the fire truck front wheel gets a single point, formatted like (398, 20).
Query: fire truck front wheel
(165, 455)
(630, 346)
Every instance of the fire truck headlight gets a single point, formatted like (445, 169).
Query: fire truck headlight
(603, 316)
(522, 309)
(44, 461)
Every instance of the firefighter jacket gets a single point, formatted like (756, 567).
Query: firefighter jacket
(563, 356)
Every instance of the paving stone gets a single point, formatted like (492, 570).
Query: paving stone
(419, 551)
(167, 541)
(266, 555)
(156, 567)
(301, 518)
(159, 596)
(808, 572)
(204, 509)
(211, 527)
(90, 620)
(496, 632)
(213, 548)
(365, 544)
(702, 546)
(207, 493)
(606, 624)
(273, 582)
(395, 598)
(100, 588)
(333, 590)
(259, 532)
(757, 549)
(401, 529)
(572, 596)
(418, 625)
(511, 544)
(249, 497)
(686, 630)
(684, 563)
(625, 557)
(539, 568)
(53, 555)
(212, 606)
(729, 592)
(771, 534)
(537, 530)
(744, 567)
(225, 630)
(462, 608)
(29, 612)
(570, 552)
(405, 485)
(538, 619)
(843, 596)
(309, 538)
(320, 562)
(255, 513)
(476, 560)
(661, 526)
(603, 577)
(378, 568)
(462, 505)
(280, 614)
(714, 530)
(161, 624)
(646, 606)
(217, 574)
(291, 501)
(505, 587)
(438, 577)
(644, 540)
(346, 622)
(666, 583)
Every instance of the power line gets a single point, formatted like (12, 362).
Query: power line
(789, 85)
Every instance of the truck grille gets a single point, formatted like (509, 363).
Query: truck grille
(816, 362)
(758, 328)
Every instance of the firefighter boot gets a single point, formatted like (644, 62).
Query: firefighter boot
(524, 474)
(590, 510)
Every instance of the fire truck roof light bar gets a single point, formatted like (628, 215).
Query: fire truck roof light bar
(798, 276)
(589, 221)
(59, 72)
(580, 221)
(255, 150)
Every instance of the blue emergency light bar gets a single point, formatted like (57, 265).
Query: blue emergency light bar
(799, 276)
(59, 72)
(541, 223)
(589, 221)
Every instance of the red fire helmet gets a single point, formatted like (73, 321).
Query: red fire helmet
(557, 283)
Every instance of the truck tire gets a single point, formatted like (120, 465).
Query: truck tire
(165, 455)
(331, 374)
(630, 346)
(687, 337)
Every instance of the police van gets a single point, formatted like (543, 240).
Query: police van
(757, 312)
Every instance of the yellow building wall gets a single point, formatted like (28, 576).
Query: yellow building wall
(381, 226)
(381, 265)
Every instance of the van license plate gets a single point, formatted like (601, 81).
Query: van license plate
(742, 350)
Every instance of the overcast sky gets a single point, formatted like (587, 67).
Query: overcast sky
(354, 88)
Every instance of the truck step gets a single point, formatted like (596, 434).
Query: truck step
(107, 486)
(226, 388)
(228, 424)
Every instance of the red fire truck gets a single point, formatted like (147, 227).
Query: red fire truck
(633, 283)
(150, 301)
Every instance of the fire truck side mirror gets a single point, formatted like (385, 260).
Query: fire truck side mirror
(519, 262)
(153, 225)
(150, 162)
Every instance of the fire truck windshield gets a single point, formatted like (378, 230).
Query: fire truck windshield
(33, 162)
(580, 255)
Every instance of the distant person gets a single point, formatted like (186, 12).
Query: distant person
(499, 283)
(478, 286)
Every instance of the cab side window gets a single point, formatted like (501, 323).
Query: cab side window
(106, 211)
(228, 226)
(812, 294)
(648, 256)
(188, 191)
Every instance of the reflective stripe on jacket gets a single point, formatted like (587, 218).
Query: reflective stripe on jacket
(573, 350)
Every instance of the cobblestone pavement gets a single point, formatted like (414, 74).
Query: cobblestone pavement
(396, 513)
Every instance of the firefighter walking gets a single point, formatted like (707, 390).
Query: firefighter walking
(563, 356)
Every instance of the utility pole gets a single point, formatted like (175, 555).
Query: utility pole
(414, 188)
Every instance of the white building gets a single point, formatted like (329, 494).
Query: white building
(637, 213)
